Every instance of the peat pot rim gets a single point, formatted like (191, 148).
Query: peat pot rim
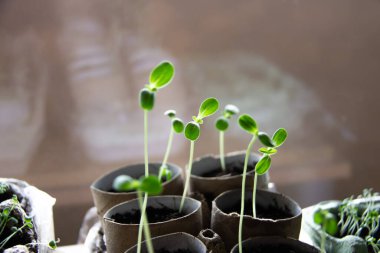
(192, 204)
(95, 186)
(230, 155)
(268, 240)
(296, 210)
(171, 236)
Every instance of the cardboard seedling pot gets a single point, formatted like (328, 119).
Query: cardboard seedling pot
(211, 187)
(120, 237)
(40, 207)
(104, 199)
(212, 240)
(274, 245)
(227, 224)
(346, 244)
(175, 242)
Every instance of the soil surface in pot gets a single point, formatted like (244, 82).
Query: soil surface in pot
(232, 169)
(174, 251)
(272, 249)
(154, 215)
(271, 212)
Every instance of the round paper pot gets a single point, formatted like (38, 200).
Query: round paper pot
(120, 237)
(104, 199)
(227, 224)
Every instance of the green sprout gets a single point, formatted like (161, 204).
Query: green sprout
(248, 124)
(222, 125)
(146, 184)
(328, 223)
(176, 127)
(192, 132)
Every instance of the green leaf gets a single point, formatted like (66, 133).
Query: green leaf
(263, 165)
(178, 125)
(6, 211)
(123, 183)
(208, 107)
(248, 124)
(231, 110)
(279, 137)
(53, 244)
(166, 172)
(268, 151)
(147, 99)
(330, 224)
(221, 124)
(192, 131)
(170, 113)
(318, 217)
(265, 139)
(150, 185)
(162, 75)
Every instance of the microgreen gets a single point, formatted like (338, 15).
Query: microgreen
(192, 132)
(146, 184)
(222, 125)
(177, 126)
(328, 223)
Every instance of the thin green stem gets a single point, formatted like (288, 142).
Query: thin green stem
(221, 150)
(323, 238)
(168, 148)
(248, 152)
(2, 244)
(188, 174)
(146, 160)
(254, 195)
(143, 223)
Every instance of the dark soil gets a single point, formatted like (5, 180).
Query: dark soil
(174, 251)
(232, 169)
(154, 215)
(272, 249)
(271, 212)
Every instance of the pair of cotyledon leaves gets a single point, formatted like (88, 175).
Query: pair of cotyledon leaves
(149, 184)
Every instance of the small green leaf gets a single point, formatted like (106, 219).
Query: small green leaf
(248, 124)
(6, 211)
(268, 151)
(192, 131)
(147, 99)
(178, 125)
(221, 124)
(166, 173)
(279, 137)
(53, 244)
(231, 109)
(208, 107)
(330, 224)
(150, 185)
(265, 139)
(162, 74)
(124, 183)
(318, 217)
(263, 165)
(170, 113)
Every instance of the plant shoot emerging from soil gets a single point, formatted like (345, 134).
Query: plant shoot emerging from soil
(192, 132)
(222, 124)
(177, 126)
(149, 185)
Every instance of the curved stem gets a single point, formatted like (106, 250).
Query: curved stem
(248, 152)
(221, 150)
(254, 195)
(146, 160)
(190, 164)
(168, 148)
(143, 223)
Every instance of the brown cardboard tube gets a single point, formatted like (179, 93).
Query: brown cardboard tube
(104, 199)
(120, 237)
(173, 243)
(227, 224)
(212, 241)
(274, 244)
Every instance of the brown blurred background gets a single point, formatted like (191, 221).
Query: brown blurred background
(70, 73)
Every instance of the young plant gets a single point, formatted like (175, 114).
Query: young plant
(328, 223)
(176, 127)
(222, 124)
(192, 132)
(146, 184)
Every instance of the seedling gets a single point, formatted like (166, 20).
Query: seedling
(192, 132)
(222, 124)
(328, 223)
(176, 127)
(147, 184)
(248, 124)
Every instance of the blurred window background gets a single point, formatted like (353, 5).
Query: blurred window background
(70, 73)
